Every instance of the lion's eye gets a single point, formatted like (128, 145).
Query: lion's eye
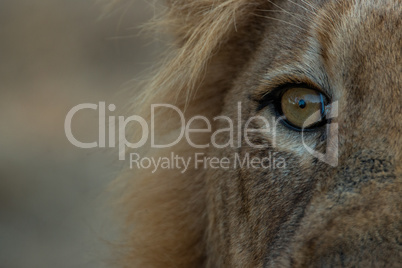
(302, 108)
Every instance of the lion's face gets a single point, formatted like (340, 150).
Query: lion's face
(312, 213)
(331, 196)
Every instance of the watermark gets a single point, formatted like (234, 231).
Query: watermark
(203, 161)
(236, 132)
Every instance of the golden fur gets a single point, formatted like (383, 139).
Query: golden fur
(311, 214)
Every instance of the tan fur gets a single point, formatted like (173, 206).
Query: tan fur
(311, 214)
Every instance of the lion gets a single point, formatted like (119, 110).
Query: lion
(326, 76)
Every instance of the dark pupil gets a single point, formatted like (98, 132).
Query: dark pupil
(302, 104)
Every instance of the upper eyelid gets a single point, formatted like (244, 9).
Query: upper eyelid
(268, 88)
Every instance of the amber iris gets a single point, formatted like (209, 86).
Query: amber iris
(303, 107)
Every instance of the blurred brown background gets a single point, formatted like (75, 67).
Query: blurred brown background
(55, 54)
